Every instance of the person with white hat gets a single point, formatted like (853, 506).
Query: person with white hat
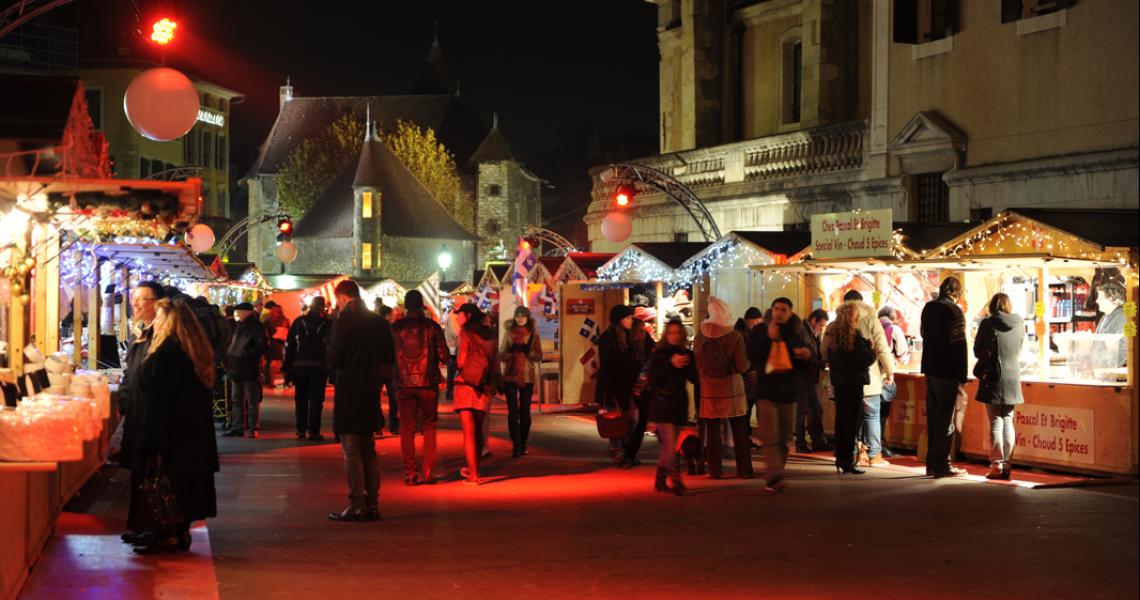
(721, 357)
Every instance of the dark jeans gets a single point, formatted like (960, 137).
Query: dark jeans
(809, 415)
(245, 405)
(424, 403)
(742, 446)
(518, 412)
(632, 443)
(667, 452)
(309, 397)
(452, 370)
(848, 412)
(363, 470)
(941, 395)
(884, 416)
(393, 405)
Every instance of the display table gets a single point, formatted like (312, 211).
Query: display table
(33, 494)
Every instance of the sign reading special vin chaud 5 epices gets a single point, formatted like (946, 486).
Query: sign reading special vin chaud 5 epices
(856, 234)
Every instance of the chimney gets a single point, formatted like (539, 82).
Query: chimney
(286, 93)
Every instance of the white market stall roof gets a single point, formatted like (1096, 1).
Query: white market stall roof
(650, 261)
(742, 249)
(174, 260)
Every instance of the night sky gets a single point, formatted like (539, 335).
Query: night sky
(549, 68)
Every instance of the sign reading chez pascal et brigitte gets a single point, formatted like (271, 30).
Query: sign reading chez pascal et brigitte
(857, 234)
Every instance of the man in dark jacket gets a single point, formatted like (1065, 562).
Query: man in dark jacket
(779, 384)
(361, 344)
(131, 400)
(809, 411)
(944, 364)
(420, 350)
(306, 365)
(243, 368)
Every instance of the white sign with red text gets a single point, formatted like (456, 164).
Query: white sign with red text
(857, 234)
(1054, 433)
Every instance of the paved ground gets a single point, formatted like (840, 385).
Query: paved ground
(562, 524)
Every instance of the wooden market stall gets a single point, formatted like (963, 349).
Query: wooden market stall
(1078, 379)
(652, 268)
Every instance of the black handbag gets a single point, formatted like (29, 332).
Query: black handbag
(160, 508)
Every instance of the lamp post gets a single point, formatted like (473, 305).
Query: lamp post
(443, 260)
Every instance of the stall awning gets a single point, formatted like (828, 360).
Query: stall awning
(174, 260)
(976, 263)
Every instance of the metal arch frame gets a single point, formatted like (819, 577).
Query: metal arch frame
(562, 246)
(175, 173)
(639, 175)
(25, 10)
(223, 246)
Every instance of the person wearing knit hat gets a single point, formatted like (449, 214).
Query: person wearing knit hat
(520, 351)
(721, 359)
(420, 350)
(621, 355)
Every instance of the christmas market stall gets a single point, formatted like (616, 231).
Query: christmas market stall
(652, 269)
(243, 282)
(1069, 273)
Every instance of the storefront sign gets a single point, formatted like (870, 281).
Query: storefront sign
(580, 306)
(858, 234)
(211, 118)
(1054, 433)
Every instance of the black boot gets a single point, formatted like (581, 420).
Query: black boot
(678, 485)
(660, 484)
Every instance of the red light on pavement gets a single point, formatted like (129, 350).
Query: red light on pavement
(162, 33)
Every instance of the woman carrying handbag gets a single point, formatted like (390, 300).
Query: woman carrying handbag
(849, 356)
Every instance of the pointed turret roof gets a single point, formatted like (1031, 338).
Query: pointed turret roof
(494, 146)
(436, 78)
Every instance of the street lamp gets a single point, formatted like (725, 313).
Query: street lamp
(444, 259)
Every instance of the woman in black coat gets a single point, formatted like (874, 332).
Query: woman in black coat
(621, 354)
(849, 356)
(998, 350)
(670, 368)
(178, 425)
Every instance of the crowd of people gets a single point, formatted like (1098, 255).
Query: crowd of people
(768, 364)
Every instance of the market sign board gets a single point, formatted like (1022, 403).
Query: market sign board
(856, 234)
(1054, 433)
(580, 306)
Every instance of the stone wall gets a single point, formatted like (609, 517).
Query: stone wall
(412, 260)
(323, 256)
(503, 217)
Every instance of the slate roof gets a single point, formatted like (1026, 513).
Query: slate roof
(494, 147)
(35, 108)
(331, 214)
(455, 125)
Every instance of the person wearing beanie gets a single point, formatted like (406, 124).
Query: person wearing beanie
(621, 354)
(721, 359)
(420, 351)
(243, 369)
(520, 351)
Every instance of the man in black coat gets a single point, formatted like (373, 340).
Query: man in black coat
(243, 367)
(361, 346)
(306, 365)
(809, 411)
(779, 388)
(944, 364)
(131, 399)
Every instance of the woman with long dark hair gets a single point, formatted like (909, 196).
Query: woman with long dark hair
(998, 348)
(178, 423)
(849, 356)
(475, 383)
(670, 368)
(622, 352)
(520, 351)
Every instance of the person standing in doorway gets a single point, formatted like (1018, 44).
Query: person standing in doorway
(361, 343)
(944, 364)
(306, 365)
(243, 361)
(420, 351)
(520, 352)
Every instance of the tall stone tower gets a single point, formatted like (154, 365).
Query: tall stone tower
(507, 196)
(367, 193)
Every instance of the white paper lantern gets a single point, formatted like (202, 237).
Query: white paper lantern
(200, 238)
(161, 104)
(616, 227)
(286, 252)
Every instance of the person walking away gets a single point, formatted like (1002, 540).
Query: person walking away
(388, 376)
(277, 330)
(777, 352)
(178, 433)
(520, 352)
(880, 373)
(243, 361)
(752, 318)
(361, 342)
(132, 402)
(306, 365)
(998, 349)
(721, 357)
(618, 371)
(671, 366)
(420, 350)
(944, 364)
(849, 356)
(809, 410)
(475, 384)
(900, 351)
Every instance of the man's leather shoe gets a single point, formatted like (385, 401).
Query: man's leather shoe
(372, 514)
(354, 515)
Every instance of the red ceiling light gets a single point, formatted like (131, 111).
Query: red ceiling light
(162, 32)
(623, 195)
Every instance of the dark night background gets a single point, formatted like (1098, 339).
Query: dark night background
(574, 83)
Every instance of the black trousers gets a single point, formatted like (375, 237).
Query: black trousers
(632, 443)
(518, 412)
(742, 444)
(941, 395)
(309, 397)
(848, 412)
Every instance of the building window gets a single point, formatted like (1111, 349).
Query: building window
(144, 168)
(680, 236)
(94, 100)
(932, 198)
(792, 81)
(494, 190)
(366, 256)
(921, 21)
(979, 215)
(366, 205)
(1015, 10)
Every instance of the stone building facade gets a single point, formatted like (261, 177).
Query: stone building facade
(508, 197)
(942, 111)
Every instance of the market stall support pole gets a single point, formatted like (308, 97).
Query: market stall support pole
(94, 317)
(1039, 319)
(46, 292)
(125, 284)
(660, 325)
(16, 334)
(77, 313)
